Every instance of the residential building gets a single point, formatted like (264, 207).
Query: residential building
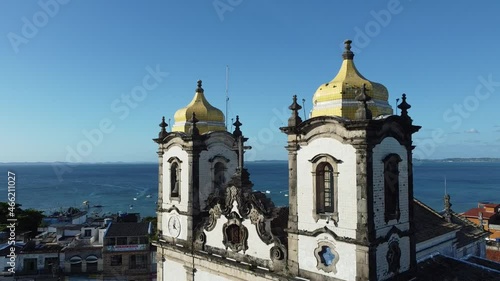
(126, 251)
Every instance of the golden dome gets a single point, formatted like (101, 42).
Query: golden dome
(209, 117)
(338, 97)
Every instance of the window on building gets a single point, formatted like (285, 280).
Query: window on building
(324, 188)
(88, 232)
(91, 261)
(75, 264)
(325, 181)
(233, 233)
(143, 240)
(110, 241)
(30, 265)
(138, 261)
(174, 179)
(133, 240)
(51, 264)
(121, 241)
(391, 186)
(116, 260)
(219, 175)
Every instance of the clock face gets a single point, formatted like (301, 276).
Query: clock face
(174, 226)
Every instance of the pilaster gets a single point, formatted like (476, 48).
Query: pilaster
(159, 213)
(293, 241)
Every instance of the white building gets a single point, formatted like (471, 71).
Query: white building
(351, 214)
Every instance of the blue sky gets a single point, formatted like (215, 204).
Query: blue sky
(67, 67)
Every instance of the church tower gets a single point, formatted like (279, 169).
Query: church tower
(350, 183)
(195, 160)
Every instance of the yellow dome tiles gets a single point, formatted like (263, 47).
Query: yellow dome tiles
(338, 97)
(209, 117)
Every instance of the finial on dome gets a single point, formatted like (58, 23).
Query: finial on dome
(237, 132)
(163, 133)
(294, 120)
(363, 112)
(404, 106)
(199, 89)
(348, 54)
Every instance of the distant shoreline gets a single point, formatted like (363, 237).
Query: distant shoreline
(444, 160)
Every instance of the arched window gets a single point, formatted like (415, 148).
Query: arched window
(174, 179)
(219, 175)
(325, 202)
(391, 186)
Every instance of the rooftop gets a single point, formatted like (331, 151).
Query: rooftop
(441, 268)
(121, 229)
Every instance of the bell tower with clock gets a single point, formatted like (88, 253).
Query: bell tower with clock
(195, 160)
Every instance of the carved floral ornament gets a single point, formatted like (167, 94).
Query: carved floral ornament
(252, 206)
(326, 257)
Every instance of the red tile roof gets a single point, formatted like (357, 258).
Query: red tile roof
(474, 213)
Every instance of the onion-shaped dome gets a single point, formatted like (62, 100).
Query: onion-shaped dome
(209, 117)
(338, 97)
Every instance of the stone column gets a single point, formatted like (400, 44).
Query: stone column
(159, 207)
(365, 227)
(293, 240)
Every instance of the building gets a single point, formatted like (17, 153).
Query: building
(351, 213)
(126, 253)
(486, 215)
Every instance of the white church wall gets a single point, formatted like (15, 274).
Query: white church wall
(347, 197)
(175, 151)
(346, 265)
(206, 168)
(214, 271)
(173, 271)
(388, 146)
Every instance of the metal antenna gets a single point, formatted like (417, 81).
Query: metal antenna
(227, 92)
(304, 108)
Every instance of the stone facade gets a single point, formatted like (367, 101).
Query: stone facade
(351, 208)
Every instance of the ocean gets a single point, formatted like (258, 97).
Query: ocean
(133, 188)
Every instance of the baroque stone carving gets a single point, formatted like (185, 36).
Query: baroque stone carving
(394, 256)
(277, 253)
(200, 240)
(235, 234)
(251, 205)
(214, 214)
(326, 257)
